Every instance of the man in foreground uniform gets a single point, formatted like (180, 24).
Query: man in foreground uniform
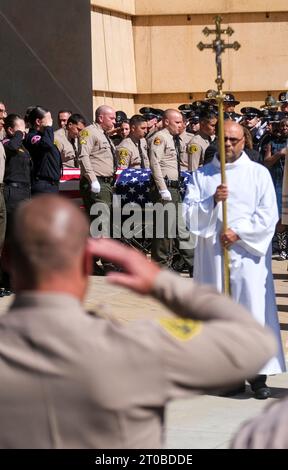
(74, 380)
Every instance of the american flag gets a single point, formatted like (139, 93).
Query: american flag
(69, 185)
(134, 185)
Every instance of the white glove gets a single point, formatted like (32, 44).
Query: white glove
(165, 195)
(95, 187)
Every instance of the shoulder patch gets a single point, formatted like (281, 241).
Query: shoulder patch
(84, 133)
(157, 141)
(182, 329)
(193, 148)
(123, 153)
(35, 139)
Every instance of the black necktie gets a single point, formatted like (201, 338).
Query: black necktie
(141, 155)
(76, 159)
(112, 151)
(176, 139)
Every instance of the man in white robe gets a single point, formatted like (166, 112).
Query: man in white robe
(252, 216)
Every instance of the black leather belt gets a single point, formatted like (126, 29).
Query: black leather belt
(49, 180)
(18, 185)
(172, 183)
(106, 179)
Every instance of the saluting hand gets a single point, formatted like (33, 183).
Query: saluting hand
(138, 274)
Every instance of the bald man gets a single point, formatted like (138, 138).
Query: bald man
(75, 380)
(252, 217)
(98, 163)
(165, 164)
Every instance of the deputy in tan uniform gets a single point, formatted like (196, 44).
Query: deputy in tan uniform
(132, 151)
(185, 157)
(283, 101)
(154, 121)
(199, 143)
(67, 140)
(165, 155)
(98, 165)
(76, 380)
(62, 118)
(3, 115)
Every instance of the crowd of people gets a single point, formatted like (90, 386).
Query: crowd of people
(164, 143)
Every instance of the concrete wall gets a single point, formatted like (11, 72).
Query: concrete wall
(168, 61)
(144, 52)
(122, 6)
(172, 7)
(114, 71)
(45, 55)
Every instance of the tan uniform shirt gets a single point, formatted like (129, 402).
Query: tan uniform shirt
(186, 157)
(196, 149)
(285, 192)
(72, 380)
(96, 157)
(2, 134)
(66, 148)
(150, 135)
(163, 158)
(2, 162)
(128, 155)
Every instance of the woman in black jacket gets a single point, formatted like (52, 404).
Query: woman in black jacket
(47, 165)
(17, 176)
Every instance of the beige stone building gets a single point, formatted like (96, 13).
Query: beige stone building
(144, 51)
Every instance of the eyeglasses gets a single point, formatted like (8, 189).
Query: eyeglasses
(2, 110)
(233, 140)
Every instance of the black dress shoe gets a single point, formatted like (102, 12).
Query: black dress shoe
(234, 391)
(110, 267)
(7, 292)
(262, 393)
(98, 270)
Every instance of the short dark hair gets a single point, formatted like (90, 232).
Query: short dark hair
(64, 111)
(75, 118)
(136, 120)
(206, 116)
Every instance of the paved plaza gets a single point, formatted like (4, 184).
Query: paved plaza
(206, 421)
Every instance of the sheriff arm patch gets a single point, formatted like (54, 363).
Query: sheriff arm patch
(182, 329)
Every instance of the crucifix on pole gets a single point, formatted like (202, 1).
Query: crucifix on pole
(218, 46)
